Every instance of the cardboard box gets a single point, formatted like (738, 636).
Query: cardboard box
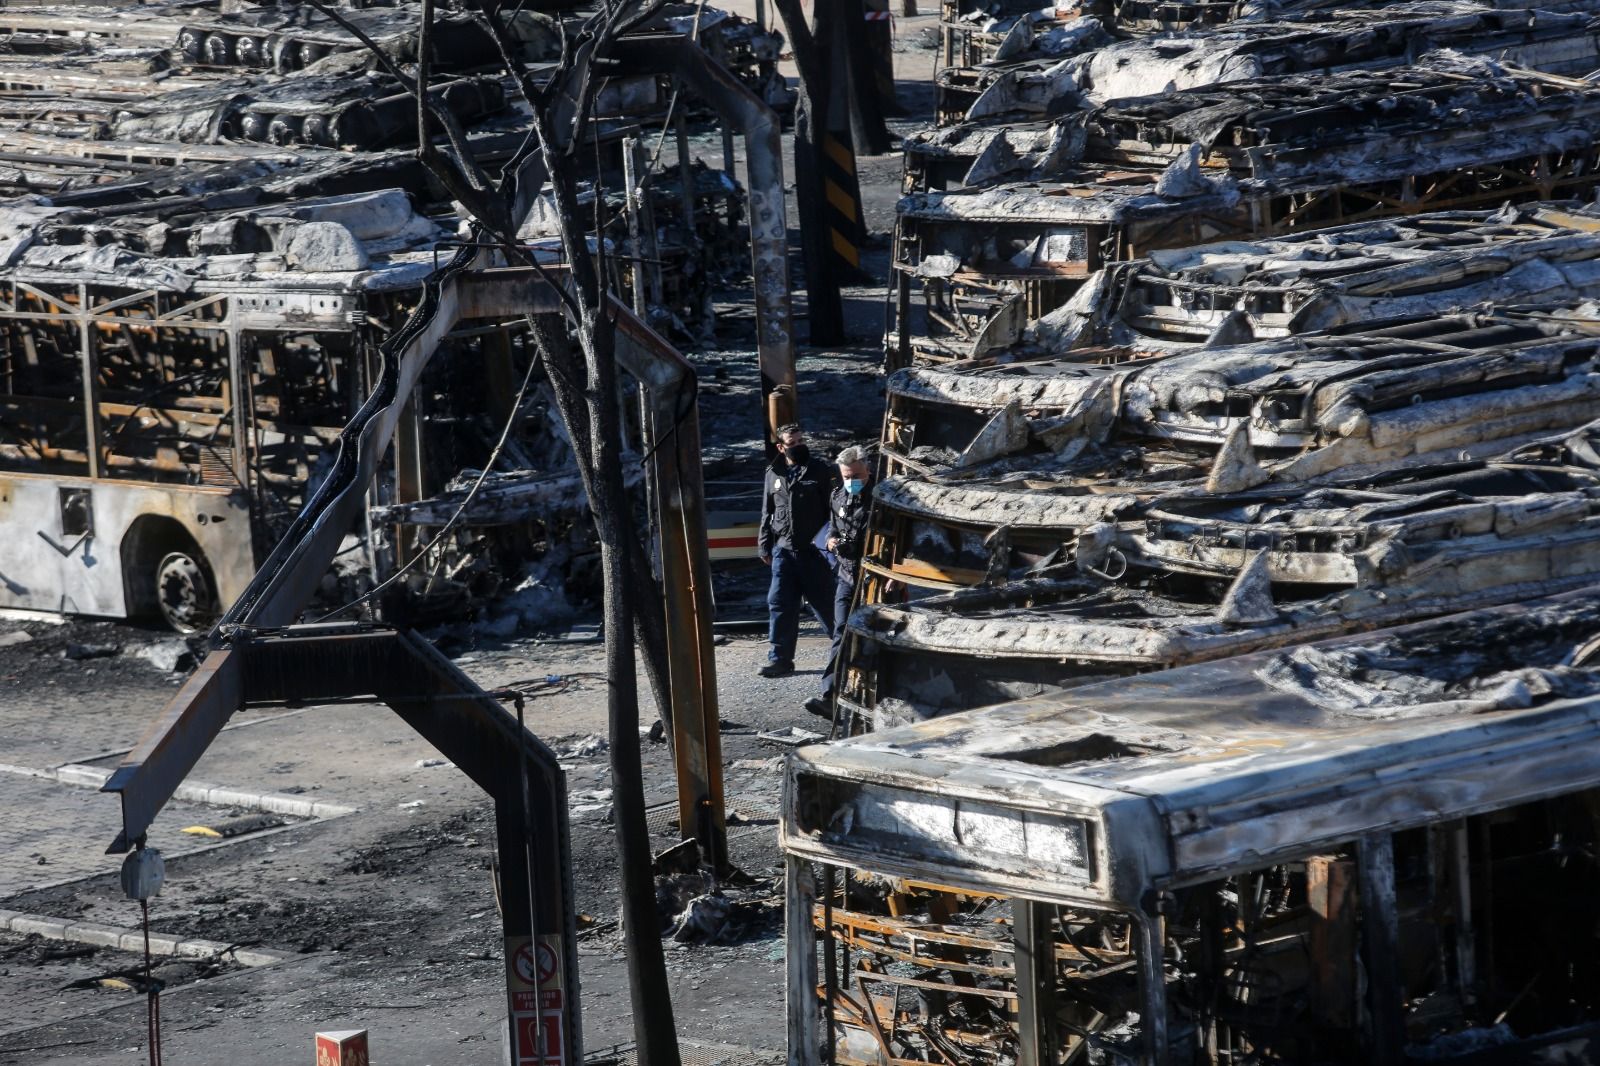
(347, 1047)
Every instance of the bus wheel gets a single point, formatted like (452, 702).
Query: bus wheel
(184, 594)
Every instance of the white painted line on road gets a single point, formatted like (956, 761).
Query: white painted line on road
(126, 939)
(186, 853)
(237, 723)
(205, 792)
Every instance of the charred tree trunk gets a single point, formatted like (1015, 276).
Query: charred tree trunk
(596, 431)
(654, 1029)
(647, 968)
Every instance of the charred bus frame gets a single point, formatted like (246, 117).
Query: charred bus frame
(1311, 857)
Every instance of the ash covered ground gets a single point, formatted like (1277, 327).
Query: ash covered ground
(384, 917)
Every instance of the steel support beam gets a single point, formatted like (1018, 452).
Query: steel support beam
(90, 381)
(1380, 949)
(1034, 949)
(800, 933)
(324, 663)
(508, 292)
(1149, 939)
(673, 445)
(152, 771)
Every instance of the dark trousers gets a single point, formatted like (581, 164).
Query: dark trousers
(797, 574)
(844, 590)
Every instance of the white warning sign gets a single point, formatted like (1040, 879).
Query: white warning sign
(533, 979)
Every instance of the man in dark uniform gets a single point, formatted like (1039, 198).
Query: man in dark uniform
(847, 511)
(794, 508)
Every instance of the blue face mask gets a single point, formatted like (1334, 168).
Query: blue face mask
(854, 485)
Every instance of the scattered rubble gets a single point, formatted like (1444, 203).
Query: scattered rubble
(79, 652)
(698, 911)
(167, 656)
(589, 746)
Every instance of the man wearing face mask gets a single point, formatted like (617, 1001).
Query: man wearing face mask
(847, 511)
(794, 508)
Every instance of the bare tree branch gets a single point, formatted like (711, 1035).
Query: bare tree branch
(609, 30)
(586, 395)
(568, 388)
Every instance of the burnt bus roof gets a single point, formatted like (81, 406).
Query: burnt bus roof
(309, 219)
(179, 150)
(1295, 132)
(1045, 79)
(1338, 277)
(1101, 794)
(1144, 582)
(1311, 405)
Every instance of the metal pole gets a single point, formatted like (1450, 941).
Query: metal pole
(800, 955)
(631, 197)
(1150, 940)
(1380, 947)
(1034, 949)
(91, 384)
(680, 127)
(736, 105)
(674, 446)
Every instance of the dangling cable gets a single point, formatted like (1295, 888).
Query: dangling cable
(152, 994)
(142, 874)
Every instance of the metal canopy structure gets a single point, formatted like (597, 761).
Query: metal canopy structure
(307, 665)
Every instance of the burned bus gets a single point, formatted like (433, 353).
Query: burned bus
(1378, 849)
(162, 417)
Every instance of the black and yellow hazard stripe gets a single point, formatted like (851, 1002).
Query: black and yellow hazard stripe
(846, 225)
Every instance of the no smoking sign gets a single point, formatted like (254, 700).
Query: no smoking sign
(545, 971)
(536, 1001)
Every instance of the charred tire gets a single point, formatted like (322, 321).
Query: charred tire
(185, 594)
(168, 580)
